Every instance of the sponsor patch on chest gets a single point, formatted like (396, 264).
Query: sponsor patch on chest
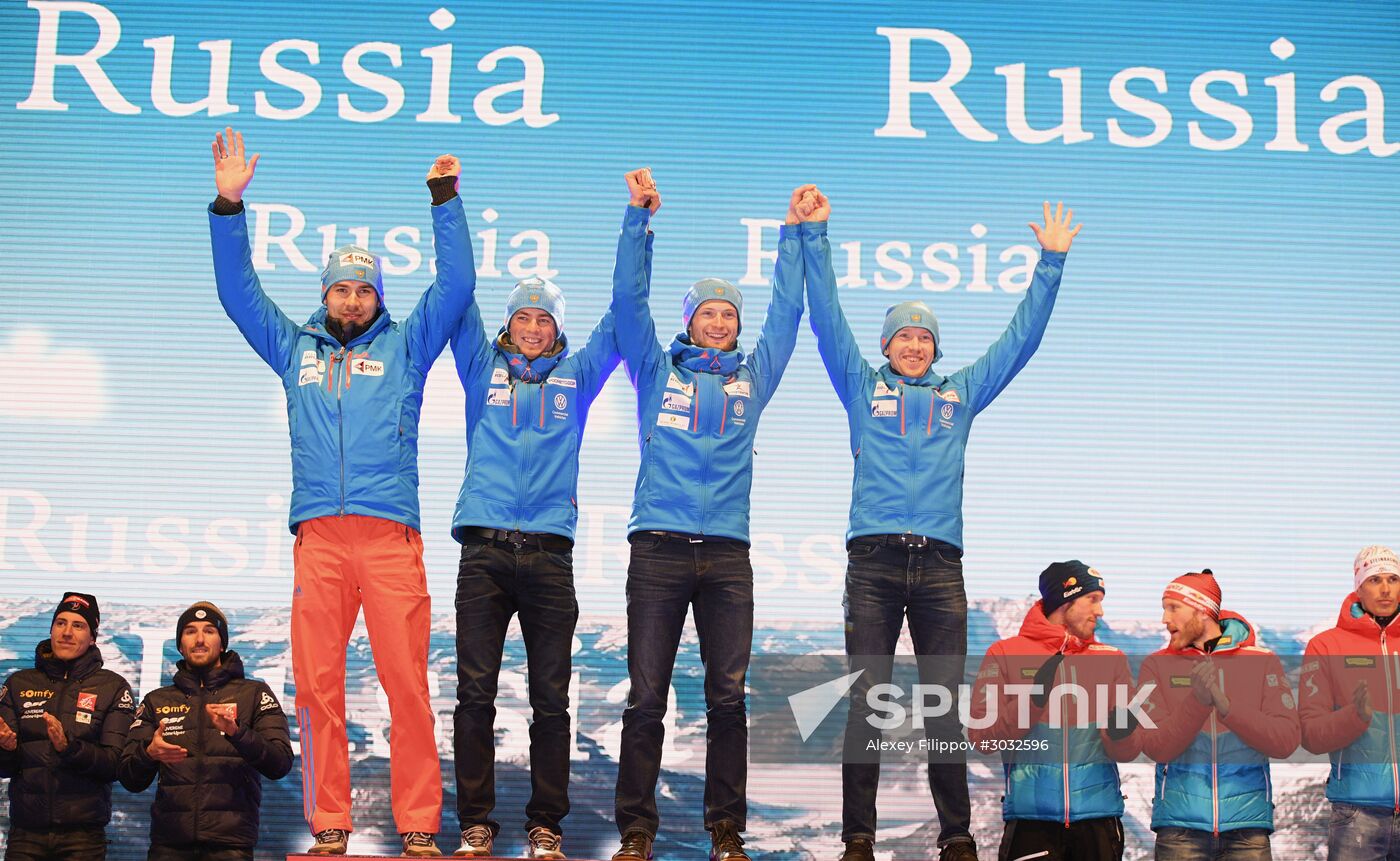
(884, 391)
(672, 420)
(1181, 681)
(565, 382)
(367, 367)
(308, 357)
(884, 408)
(676, 402)
(499, 376)
(1358, 661)
(674, 382)
(310, 376)
(498, 397)
(738, 389)
(951, 396)
(83, 717)
(87, 702)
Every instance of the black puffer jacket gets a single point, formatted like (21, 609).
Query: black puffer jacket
(214, 794)
(49, 789)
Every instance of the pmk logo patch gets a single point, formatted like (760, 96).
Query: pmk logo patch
(367, 367)
(356, 258)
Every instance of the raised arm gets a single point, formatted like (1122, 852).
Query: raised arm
(440, 309)
(266, 329)
(986, 377)
(835, 342)
(631, 309)
(779, 336)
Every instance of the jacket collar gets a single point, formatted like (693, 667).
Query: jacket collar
(1057, 638)
(1235, 633)
(80, 667)
(931, 378)
(190, 680)
(316, 325)
(1356, 620)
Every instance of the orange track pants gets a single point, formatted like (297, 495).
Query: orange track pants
(339, 562)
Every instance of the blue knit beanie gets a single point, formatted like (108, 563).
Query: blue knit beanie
(915, 314)
(703, 291)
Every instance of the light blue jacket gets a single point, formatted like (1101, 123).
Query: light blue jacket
(696, 428)
(352, 410)
(908, 436)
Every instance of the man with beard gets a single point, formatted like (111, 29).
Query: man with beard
(211, 736)
(353, 380)
(1063, 799)
(909, 429)
(1222, 707)
(528, 398)
(62, 725)
(698, 405)
(1347, 705)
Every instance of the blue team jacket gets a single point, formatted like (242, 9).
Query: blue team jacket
(352, 410)
(908, 436)
(523, 437)
(696, 429)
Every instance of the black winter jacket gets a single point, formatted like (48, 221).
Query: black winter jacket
(212, 796)
(48, 789)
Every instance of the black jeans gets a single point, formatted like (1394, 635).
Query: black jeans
(666, 577)
(1085, 840)
(69, 844)
(495, 581)
(884, 582)
(197, 852)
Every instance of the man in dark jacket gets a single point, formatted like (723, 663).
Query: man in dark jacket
(62, 725)
(209, 736)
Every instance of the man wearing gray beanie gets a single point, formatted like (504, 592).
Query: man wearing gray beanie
(909, 429)
(353, 380)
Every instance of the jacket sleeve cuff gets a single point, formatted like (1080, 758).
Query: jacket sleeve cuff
(443, 189)
(1053, 256)
(813, 228)
(789, 231)
(224, 206)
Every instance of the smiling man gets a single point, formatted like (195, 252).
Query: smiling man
(1063, 799)
(1347, 705)
(62, 726)
(211, 736)
(527, 401)
(698, 405)
(1221, 707)
(909, 428)
(353, 380)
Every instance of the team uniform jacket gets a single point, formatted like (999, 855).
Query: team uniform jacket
(523, 437)
(1213, 769)
(696, 429)
(213, 796)
(909, 436)
(1067, 772)
(352, 410)
(52, 790)
(1364, 770)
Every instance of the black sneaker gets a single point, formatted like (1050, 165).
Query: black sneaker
(963, 850)
(859, 849)
(725, 842)
(330, 841)
(636, 846)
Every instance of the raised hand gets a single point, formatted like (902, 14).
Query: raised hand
(1056, 235)
(446, 165)
(232, 171)
(219, 713)
(9, 740)
(163, 751)
(642, 189)
(1360, 699)
(57, 737)
(798, 193)
(814, 206)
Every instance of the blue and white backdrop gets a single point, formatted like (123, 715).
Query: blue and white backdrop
(1217, 387)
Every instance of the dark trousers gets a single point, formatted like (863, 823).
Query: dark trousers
(1085, 840)
(69, 844)
(1241, 844)
(197, 852)
(884, 583)
(494, 582)
(666, 577)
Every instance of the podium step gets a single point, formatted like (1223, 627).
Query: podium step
(304, 857)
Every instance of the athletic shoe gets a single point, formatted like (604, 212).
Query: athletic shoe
(859, 849)
(544, 843)
(636, 846)
(419, 844)
(725, 842)
(331, 841)
(476, 842)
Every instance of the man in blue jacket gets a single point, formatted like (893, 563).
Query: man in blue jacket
(909, 428)
(527, 402)
(354, 385)
(698, 405)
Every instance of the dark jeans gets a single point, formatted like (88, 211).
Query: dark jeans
(495, 581)
(1357, 833)
(73, 844)
(884, 583)
(197, 852)
(1190, 844)
(666, 577)
(1085, 840)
